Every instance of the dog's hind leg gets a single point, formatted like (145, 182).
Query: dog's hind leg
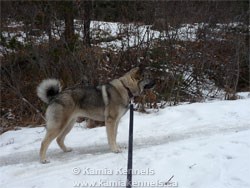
(62, 135)
(49, 137)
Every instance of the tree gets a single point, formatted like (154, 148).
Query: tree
(68, 10)
(87, 19)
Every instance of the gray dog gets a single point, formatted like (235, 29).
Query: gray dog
(103, 103)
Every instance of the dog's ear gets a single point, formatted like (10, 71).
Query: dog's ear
(137, 71)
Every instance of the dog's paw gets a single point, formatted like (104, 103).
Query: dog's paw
(116, 150)
(45, 161)
(68, 150)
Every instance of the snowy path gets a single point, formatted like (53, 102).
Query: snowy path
(79, 152)
(202, 145)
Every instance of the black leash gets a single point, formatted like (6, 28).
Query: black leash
(130, 148)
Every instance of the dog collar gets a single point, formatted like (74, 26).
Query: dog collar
(130, 94)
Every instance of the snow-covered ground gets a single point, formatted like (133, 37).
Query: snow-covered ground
(195, 145)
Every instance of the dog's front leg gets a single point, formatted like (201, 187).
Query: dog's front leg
(111, 134)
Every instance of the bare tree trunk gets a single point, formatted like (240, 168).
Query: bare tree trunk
(87, 20)
(69, 22)
(47, 21)
(237, 68)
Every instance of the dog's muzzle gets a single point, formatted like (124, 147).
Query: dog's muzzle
(150, 85)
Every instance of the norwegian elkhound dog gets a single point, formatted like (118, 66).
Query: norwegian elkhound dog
(106, 103)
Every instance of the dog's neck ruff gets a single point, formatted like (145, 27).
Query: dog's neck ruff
(130, 94)
(105, 95)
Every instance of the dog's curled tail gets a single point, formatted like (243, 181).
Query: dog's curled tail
(48, 89)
